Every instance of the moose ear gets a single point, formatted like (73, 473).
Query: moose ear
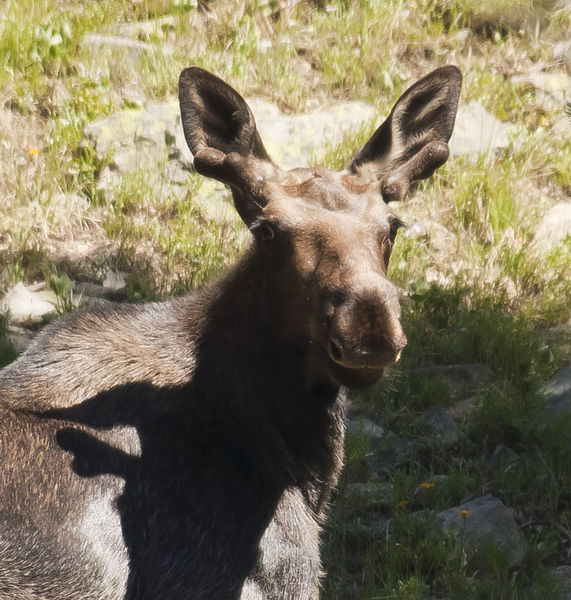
(221, 133)
(412, 142)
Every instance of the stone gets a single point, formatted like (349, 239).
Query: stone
(486, 520)
(478, 132)
(503, 457)
(368, 494)
(28, 304)
(563, 576)
(296, 140)
(557, 392)
(135, 47)
(554, 227)
(144, 30)
(434, 233)
(464, 407)
(151, 139)
(115, 280)
(20, 337)
(553, 90)
(442, 425)
(387, 453)
(367, 427)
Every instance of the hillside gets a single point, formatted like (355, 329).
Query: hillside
(458, 474)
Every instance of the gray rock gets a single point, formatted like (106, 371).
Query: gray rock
(92, 40)
(148, 139)
(152, 139)
(28, 304)
(563, 576)
(503, 457)
(387, 453)
(369, 494)
(115, 280)
(486, 520)
(442, 425)
(464, 407)
(553, 90)
(466, 379)
(20, 337)
(434, 233)
(143, 30)
(557, 392)
(367, 427)
(478, 132)
(296, 140)
(554, 227)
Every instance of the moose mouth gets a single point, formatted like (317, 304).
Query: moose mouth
(355, 377)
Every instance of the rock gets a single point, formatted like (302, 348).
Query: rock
(144, 30)
(466, 379)
(553, 90)
(148, 139)
(486, 520)
(434, 233)
(563, 576)
(554, 228)
(464, 407)
(293, 140)
(152, 139)
(503, 457)
(367, 427)
(557, 392)
(115, 280)
(387, 453)
(136, 48)
(368, 494)
(28, 304)
(20, 337)
(442, 425)
(478, 132)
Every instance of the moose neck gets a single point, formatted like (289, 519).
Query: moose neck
(245, 328)
(255, 371)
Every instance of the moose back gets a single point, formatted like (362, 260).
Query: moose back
(189, 449)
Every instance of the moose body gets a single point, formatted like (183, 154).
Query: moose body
(189, 449)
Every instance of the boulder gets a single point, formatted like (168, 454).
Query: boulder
(557, 392)
(28, 304)
(554, 227)
(478, 132)
(552, 90)
(484, 521)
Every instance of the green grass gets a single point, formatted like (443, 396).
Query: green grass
(487, 296)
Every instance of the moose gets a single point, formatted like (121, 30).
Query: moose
(190, 448)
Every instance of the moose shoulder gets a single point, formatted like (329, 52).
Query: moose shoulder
(188, 449)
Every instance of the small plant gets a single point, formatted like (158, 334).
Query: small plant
(62, 286)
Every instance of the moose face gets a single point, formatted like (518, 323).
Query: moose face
(326, 237)
(328, 240)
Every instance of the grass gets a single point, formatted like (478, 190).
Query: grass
(487, 294)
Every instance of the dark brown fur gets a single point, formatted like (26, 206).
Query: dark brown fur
(189, 449)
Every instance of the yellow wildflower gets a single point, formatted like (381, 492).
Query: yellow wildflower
(402, 503)
(465, 513)
(33, 152)
(427, 485)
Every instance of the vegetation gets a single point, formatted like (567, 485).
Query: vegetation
(488, 295)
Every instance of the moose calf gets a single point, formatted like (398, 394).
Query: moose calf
(188, 449)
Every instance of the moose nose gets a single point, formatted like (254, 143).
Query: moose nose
(365, 331)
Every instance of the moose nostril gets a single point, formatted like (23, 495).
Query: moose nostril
(335, 351)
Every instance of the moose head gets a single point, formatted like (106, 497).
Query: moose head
(325, 237)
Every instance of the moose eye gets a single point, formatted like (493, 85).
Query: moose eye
(264, 231)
